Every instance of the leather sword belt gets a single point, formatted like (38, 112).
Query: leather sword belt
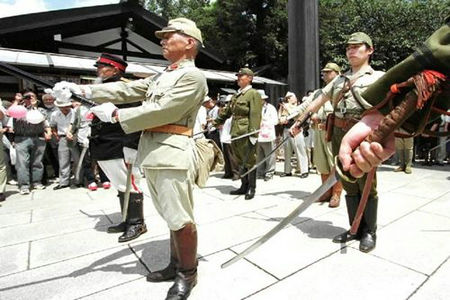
(345, 123)
(171, 128)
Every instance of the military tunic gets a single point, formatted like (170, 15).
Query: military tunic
(246, 109)
(168, 160)
(349, 107)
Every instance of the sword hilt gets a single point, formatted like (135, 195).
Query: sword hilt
(387, 126)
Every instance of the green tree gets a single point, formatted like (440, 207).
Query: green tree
(254, 32)
(395, 26)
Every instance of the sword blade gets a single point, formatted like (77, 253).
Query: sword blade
(332, 179)
(80, 164)
(265, 158)
(19, 73)
(245, 135)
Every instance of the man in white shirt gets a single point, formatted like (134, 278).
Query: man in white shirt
(200, 121)
(266, 138)
(60, 122)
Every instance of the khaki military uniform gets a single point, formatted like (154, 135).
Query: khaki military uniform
(168, 159)
(348, 111)
(246, 108)
(323, 156)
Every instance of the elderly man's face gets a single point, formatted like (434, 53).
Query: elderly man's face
(48, 100)
(244, 80)
(174, 46)
(106, 71)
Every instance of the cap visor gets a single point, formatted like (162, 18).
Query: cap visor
(160, 34)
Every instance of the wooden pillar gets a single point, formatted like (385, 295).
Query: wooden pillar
(303, 43)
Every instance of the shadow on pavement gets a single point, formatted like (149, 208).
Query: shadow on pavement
(151, 255)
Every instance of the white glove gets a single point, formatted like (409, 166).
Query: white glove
(105, 112)
(63, 91)
(253, 140)
(129, 155)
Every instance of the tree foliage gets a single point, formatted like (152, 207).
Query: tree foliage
(254, 32)
(395, 26)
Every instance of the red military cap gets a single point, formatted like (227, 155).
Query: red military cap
(111, 60)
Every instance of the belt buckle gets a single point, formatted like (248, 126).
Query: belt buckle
(343, 110)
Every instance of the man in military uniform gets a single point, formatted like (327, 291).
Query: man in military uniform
(323, 156)
(434, 54)
(347, 112)
(245, 109)
(106, 146)
(166, 149)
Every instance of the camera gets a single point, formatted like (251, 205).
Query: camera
(26, 97)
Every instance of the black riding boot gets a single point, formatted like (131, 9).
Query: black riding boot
(121, 227)
(352, 206)
(369, 225)
(135, 218)
(244, 185)
(169, 272)
(186, 277)
(251, 177)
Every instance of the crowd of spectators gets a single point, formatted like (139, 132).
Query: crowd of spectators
(44, 142)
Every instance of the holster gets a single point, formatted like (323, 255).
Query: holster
(329, 126)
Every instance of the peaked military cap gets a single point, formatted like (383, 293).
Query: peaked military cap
(360, 38)
(111, 60)
(245, 71)
(182, 25)
(331, 67)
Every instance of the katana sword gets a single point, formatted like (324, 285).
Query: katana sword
(245, 135)
(19, 73)
(300, 124)
(80, 164)
(332, 179)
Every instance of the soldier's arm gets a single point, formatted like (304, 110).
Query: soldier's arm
(255, 113)
(223, 115)
(120, 92)
(169, 108)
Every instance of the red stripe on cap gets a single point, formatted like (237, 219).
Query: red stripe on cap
(104, 60)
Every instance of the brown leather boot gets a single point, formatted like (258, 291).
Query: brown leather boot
(336, 197)
(169, 272)
(186, 278)
(325, 197)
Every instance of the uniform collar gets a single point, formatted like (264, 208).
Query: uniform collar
(244, 90)
(364, 70)
(181, 64)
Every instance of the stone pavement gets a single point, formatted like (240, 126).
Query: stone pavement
(54, 245)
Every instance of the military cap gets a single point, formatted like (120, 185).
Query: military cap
(181, 25)
(245, 71)
(331, 67)
(360, 38)
(111, 60)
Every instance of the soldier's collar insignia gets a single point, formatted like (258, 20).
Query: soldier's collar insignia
(172, 67)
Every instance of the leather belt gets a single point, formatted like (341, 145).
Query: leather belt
(345, 123)
(171, 128)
